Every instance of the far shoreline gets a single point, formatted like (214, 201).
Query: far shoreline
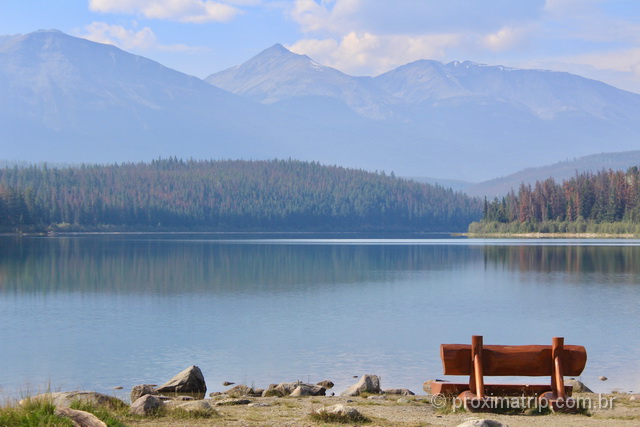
(549, 235)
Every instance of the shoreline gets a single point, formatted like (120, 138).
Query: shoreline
(386, 411)
(549, 235)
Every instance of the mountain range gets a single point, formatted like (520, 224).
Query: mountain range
(559, 171)
(67, 99)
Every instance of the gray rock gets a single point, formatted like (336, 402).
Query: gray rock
(482, 423)
(347, 412)
(287, 388)
(146, 405)
(80, 418)
(403, 400)
(137, 391)
(578, 386)
(366, 384)
(272, 392)
(183, 398)
(326, 384)
(65, 398)
(190, 380)
(196, 405)
(259, 405)
(239, 391)
(308, 390)
(399, 391)
(377, 397)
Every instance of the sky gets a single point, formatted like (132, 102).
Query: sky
(598, 39)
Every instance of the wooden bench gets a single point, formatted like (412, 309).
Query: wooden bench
(478, 360)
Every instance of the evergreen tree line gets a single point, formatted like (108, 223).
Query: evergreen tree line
(607, 201)
(225, 195)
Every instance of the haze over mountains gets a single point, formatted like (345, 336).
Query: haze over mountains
(72, 100)
(559, 171)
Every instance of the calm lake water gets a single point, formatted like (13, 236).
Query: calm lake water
(99, 311)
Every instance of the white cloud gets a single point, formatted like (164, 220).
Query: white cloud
(505, 39)
(413, 17)
(368, 54)
(193, 11)
(372, 36)
(117, 35)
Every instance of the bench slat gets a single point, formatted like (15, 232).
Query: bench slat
(518, 360)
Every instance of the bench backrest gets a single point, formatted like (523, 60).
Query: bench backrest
(512, 360)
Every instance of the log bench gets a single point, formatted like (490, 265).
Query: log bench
(478, 360)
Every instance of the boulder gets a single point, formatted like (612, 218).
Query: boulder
(80, 418)
(287, 388)
(482, 423)
(137, 391)
(146, 405)
(308, 390)
(272, 392)
(190, 380)
(326, 384)
(346, 413)
(578, 386)
(65, 398)
(399, 391)
(366, 384)
(239, 391)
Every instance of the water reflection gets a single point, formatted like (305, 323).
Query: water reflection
(274, 310)
(613, 261)
(177, 266)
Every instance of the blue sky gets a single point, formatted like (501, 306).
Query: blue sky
(599, 39)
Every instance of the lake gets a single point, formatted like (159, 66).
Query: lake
(98, 311)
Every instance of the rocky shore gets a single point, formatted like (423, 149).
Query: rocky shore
(183, 401)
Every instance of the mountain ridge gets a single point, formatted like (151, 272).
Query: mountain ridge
(72, 100)
(559, 171)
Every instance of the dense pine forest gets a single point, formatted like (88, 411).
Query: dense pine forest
(173, 194)
(605, 202)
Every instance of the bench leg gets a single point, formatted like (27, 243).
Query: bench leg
(476, 379)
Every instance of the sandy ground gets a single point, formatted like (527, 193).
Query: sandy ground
(411, 411)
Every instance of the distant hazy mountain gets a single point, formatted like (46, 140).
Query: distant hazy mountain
(69, 100)
(279, 76)
(558, 171)
(460, 120)
(546, 94)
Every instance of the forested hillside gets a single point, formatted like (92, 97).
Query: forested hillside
(607, 201)
(225, 195)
